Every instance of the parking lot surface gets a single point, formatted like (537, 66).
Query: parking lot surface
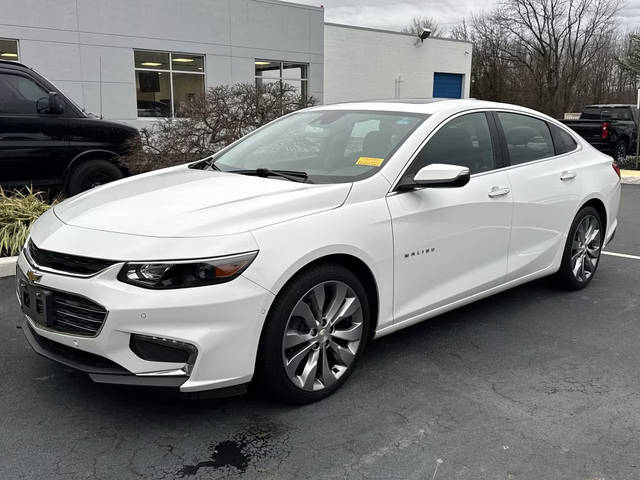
(534, 383)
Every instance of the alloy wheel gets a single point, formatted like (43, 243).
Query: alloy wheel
(585, 249)
(322, 336)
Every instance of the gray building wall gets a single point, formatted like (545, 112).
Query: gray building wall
(65, 41)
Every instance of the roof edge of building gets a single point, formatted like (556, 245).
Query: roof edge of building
(392, 32)
(293, 3)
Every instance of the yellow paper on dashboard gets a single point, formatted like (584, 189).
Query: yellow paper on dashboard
(370, 161)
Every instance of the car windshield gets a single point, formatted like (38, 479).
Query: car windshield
(329, 146)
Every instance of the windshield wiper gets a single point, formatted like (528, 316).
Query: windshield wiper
(293, 175)
(205, 163)
(211, 163)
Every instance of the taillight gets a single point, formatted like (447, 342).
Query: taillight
(605, 130)
(617, 169)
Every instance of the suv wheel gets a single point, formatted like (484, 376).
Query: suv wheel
(316, 332)
(90, 174)
(620, 152)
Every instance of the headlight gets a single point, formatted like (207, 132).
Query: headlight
(187, 273)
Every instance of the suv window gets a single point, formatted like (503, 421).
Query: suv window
(528, 138)
(465, 141)
(606, 113)
(20, 95)
(563, 142)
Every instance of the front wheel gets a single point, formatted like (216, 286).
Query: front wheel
(582, 250)
(92, 173)
(316, 331)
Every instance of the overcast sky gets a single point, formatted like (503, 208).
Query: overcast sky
(394, 14)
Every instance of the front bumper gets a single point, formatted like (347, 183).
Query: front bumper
(223, 322)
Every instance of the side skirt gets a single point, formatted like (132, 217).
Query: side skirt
(465, 301)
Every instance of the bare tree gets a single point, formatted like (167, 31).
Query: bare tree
(461, 31)
(630, 58)
(211, 122)
(418, 24)
(555, 41)
(551, 55)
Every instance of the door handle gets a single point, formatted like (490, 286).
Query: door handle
(566, 175)
(498, 192)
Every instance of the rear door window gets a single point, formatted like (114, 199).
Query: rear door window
(564, 143)
(528, 138)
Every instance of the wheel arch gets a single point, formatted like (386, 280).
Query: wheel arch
(95, 154)
(600, 207)
(359, 267)
(625, 138)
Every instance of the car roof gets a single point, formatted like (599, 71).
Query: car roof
(428, 106)
(11, 63)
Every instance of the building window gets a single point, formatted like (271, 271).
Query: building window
(290, 73)
(9, 50)
(166, 82)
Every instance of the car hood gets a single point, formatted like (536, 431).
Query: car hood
(184, 202)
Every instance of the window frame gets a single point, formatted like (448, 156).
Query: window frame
(17, 42)
(169, 71)
(495, 146)
(304, 82)
(495, 127)
(505, 148)
(553, 128)
(39, 84)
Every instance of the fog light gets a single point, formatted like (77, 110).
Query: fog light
(158, 349)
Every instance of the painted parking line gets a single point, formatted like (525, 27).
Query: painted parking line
(622, 255)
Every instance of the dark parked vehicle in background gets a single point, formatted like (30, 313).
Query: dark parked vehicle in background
(45, 139)
(612, 129)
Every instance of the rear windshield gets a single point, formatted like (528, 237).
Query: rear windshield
(606, 113)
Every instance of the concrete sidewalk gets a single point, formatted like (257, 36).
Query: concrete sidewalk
(7, 266)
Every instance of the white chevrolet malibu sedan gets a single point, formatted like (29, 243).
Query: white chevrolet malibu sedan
(279, 258)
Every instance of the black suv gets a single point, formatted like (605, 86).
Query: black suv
(45, 139)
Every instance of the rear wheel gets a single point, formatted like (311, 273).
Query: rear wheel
(620, 151)
(90, 174)
(582, 250)
(316, 332)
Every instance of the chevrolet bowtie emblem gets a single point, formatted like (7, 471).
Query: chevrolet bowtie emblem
(33, 276)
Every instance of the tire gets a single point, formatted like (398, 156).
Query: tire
(92, 173)
(620, 151)
(301, 383)
(580, 259)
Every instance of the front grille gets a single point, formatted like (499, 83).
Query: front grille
(63, 262)
(77, 315)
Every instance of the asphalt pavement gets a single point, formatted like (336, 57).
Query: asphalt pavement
(533, 383)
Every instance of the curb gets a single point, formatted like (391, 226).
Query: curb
(8, 266)
(631, 180)
(630, 177)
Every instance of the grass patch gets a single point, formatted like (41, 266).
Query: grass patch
(18, 210)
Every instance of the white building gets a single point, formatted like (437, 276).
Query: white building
(134, 60)
(365, 64)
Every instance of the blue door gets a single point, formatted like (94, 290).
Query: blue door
(447, 85)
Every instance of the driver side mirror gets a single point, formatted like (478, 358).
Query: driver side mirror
(437, 175)
(56, 107)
